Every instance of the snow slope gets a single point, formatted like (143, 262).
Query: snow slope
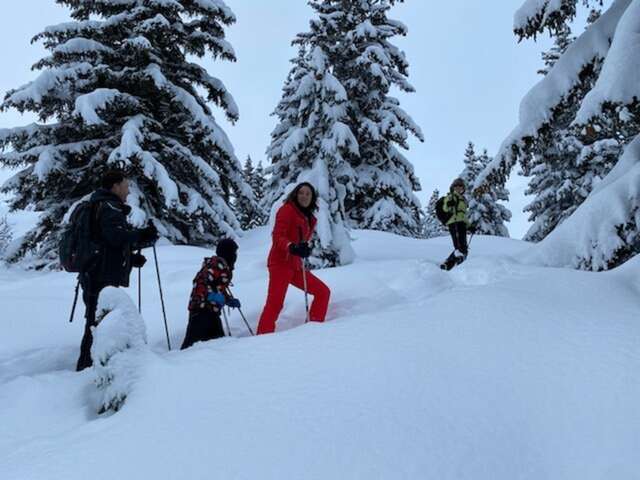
(496, 370)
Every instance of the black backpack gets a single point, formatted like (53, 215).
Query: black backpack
(443, 216)
(78, 249)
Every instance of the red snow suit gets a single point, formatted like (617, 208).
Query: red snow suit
(286, 269)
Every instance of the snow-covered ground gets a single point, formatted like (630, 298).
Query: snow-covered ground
(496, 370)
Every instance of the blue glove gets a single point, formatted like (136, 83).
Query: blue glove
(233, 303)
(217, 298)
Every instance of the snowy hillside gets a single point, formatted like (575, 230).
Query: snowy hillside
(496, 370)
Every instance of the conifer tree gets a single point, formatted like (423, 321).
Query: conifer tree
(368, 66)
(485, 214)
(119, 89)
(589, 94)
(432, 226)
(254, 177)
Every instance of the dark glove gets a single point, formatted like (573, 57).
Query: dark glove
(149, 234)
(233, 303)
(472, 229)
(451, 203)
(137, 260)
(301, 249)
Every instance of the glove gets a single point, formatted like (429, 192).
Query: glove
(217, 298)
(137, 260)
(301, 249)
(233, 303)
(451, 203)
(149, 234)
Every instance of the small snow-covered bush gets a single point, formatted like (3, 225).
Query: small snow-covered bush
(118, 349)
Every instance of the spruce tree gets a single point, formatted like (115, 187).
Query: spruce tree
(312, 143)
(255, 215)
(368, 65)
(485, 214)
(585, 113)
(258, 185)
(432, 226)
(119, 89)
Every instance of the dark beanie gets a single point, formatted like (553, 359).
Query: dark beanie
(227, 248)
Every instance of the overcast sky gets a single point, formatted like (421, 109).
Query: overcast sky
(466, 65)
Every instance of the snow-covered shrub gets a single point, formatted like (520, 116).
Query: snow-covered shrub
(118, 350)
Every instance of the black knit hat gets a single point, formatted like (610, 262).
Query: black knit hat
(228, 249)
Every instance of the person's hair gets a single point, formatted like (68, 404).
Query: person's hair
(293, 196)
(458, 182)
(112, 177)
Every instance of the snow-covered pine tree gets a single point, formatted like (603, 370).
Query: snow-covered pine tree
(119, 89)
(432, 226)
(5, 235)
(254, 216)
(368, 65)
(258, 185)
(561, 41)
(591, 84)
(485, 213)
(312, 143)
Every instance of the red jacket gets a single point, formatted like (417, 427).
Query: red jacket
(290, 221)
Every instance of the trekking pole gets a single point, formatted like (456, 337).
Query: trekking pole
(242, 315)
(164, 313)
(75, 301)
(304, 280)
(226, 322)
(139, 287)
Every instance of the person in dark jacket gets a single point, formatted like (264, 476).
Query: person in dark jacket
(117, 241)
(456, 205)
(292, 232)
(210, 294)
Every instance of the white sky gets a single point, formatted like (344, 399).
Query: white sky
(466, 65)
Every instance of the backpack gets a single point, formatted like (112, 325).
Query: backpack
(443, 216)
(78, 249)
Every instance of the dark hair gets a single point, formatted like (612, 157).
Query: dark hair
(458, 182)
(293, 197)
(110, 178)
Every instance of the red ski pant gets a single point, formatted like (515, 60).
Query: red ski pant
(279, 280)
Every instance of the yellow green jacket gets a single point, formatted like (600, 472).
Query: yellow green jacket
(458, 209)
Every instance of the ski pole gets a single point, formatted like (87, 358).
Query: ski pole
(242, 314)
(75, 301)
(164, 313)
(304, 280)
(226, 322)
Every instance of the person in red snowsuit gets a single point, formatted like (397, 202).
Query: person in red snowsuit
(290, 245)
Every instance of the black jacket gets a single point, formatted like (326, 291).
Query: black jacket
(116, 237)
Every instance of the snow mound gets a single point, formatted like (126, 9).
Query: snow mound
(119, 349)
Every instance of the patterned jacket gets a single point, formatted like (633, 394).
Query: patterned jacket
(214, 276)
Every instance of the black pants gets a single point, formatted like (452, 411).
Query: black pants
(458, 231)
(203, 325)
(91, 289)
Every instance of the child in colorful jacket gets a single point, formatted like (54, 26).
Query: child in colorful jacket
(210, 294)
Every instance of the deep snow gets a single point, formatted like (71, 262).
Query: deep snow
(495, 370)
